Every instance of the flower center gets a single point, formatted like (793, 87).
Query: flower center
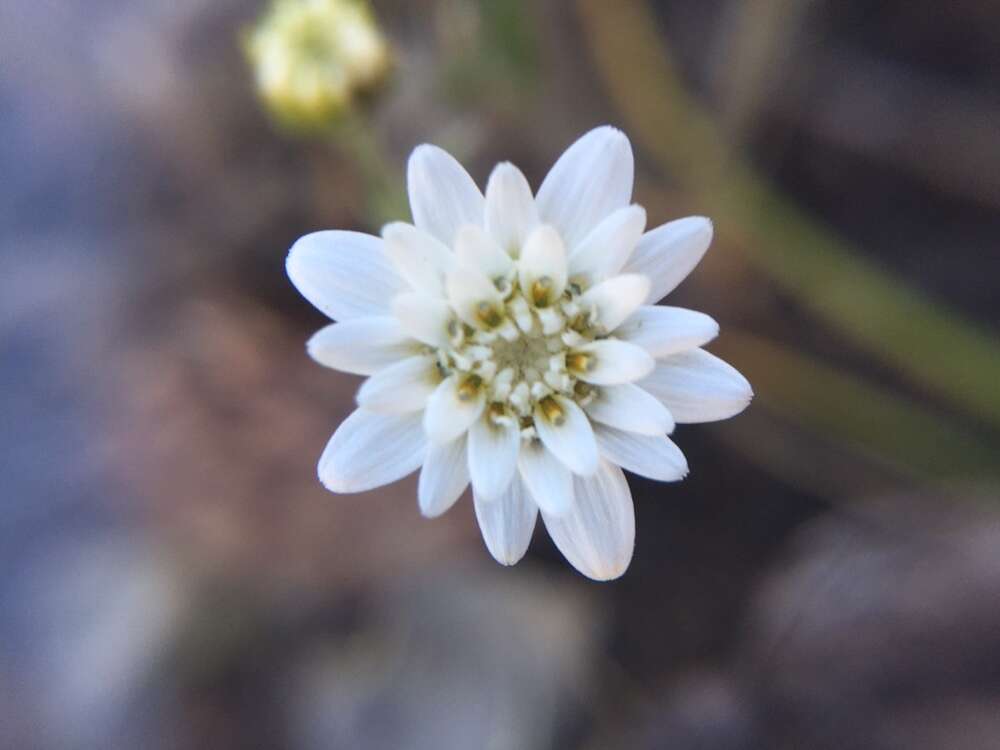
(526, 350)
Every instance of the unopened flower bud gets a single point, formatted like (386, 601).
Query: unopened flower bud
(312, 57)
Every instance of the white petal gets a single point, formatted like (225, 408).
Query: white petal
(418, 257)
(698, 387)
(569, 436)
(443, 196)
(669, 253)
(604, 251)
(615, 299)
(369, 450)
(543, 262)
(402, 387)
(471, 292)
(610, 362)
(476, 249)
(511, 213)
(507, 522)
(598, 535)
(422, 317)
(493, 450)
(450, 412)
(361, 345)
(546, 478)
(628, 407)
(344, 274)
(662, 330)
(653, 456)
(443, 478)
(592, 179)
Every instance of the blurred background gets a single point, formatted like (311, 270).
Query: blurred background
(174, 576)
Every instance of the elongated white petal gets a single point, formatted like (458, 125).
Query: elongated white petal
(452, 409)
(604, 252)
(590, 180)
(474, 297)
(422, 317)
(611, 362)
(401, 387)
(507, 522)
(443, 477)
(547, 479)
(669, 253)
(344, 274)
(361, 345)
(653, 456)
(698, 387)
(418, 257)
(566, 432)
(475, 248)
(443, 196)
(369, 450)
(629, 407)
(662, 330)
(598, 535)
(511, 212)
(615, 299)
(542, 266)
(493, 450)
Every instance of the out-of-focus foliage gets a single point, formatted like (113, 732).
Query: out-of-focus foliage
(495, 54)
(929, 343)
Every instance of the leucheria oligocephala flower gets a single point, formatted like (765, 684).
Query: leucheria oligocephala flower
(512, 341)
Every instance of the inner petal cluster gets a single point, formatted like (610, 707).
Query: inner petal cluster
(529, 346)
(518, 336)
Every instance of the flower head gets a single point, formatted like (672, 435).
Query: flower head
(511, 341)
(312, 56)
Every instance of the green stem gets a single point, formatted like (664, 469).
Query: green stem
(385, 200)
(917, 442)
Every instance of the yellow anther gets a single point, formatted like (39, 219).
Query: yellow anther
(469, 388)
(579, 322)
(541, 292)
(488, 315)
(552, 411)
(579, 362)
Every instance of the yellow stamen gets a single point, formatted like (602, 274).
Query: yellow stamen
(579, 362)
(469, 388)
(541, 292)
(488, 315)
(552, 411)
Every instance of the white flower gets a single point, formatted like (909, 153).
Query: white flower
(512, 341)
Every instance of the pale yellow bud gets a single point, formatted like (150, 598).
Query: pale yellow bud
(311, 57)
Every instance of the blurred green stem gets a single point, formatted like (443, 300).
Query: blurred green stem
(931, 346)
(915, 441)
(385, 199)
